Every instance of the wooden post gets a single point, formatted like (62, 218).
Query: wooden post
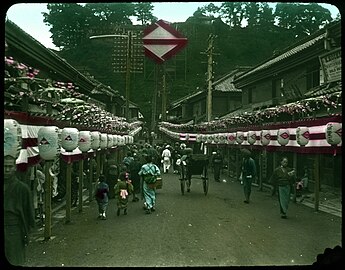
(81, 183)
(48, 202)
(98, 160)
(209, 78)
(68, 191)
(260, 171)
(91, 179)
(317, 181)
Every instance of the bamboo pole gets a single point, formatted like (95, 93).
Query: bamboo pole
(68, 191)
(91, 179)
(48, 202)
(317, 181)
(81, 183)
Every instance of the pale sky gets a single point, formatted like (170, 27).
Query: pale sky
(28, 16)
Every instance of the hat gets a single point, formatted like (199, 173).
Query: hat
(167, 146)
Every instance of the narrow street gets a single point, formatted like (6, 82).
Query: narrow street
(190, 230)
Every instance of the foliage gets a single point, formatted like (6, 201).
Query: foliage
(247, 34)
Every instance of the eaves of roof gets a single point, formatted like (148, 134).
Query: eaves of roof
(324, 89)
(283, 56)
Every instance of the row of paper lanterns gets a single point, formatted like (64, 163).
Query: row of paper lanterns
(333, 133)
(51, 139)
(333, 136)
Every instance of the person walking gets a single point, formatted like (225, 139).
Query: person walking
(166, 155)
(19, 218)
(248, 169)
(102, 197)
(123, 189)
(283, 177)
(217, 163)
(134, 168)
(149, 172)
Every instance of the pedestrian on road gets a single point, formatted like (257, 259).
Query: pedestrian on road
(128, 159)
(217, 163)
(134, 168)
(123, 189)
(248, 169)
(166, 155)
(283, 177)
(149, 173)
(19, 216)
(102, 197)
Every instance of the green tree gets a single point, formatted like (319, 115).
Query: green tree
(68, 23)
(303, 19)
(233, 13)
(143, 11)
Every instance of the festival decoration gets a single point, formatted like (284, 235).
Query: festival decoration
(109, 141)
(69, 138)
(333, 133)
(84, 142)
(239, 137)
(12, 138)
(95, 140)
(283, 136)
(49, 142)
(302, 135)
(265, 137)
(231, 138)
(104, 141)
(251, 137)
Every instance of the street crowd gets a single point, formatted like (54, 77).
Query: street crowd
(136, 177)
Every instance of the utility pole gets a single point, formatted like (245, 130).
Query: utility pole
(128, 72)
(209, 52)
(164, 98)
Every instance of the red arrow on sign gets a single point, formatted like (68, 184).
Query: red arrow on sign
(161, 41)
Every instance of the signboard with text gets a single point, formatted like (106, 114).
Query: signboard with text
(331, 65)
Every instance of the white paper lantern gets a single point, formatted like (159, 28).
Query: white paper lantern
(283, 136)
(251, 137)
(204, 138)
(49, 142)
(104, 141)
(115, 142)
(12, 138)
(302, 135)
(333, 133)
(109, 140)
(222, 138)
(95, 140)
(265, 137)
(84, 142)
(239, 137)
(210, 138)
(216, 138)
(231, 138)
(69, 138)
(199, 138)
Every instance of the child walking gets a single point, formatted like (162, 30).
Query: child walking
(101, 195)
(123, 189)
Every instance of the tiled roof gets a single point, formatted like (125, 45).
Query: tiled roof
(285, 55)
(324, 89)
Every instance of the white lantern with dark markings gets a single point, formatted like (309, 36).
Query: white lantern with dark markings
(302, 135)
(283, 136)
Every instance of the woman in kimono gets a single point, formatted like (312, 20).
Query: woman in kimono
(149, 173)
(283, 177)
(123, 189)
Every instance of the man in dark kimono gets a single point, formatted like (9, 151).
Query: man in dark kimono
(19, 216)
